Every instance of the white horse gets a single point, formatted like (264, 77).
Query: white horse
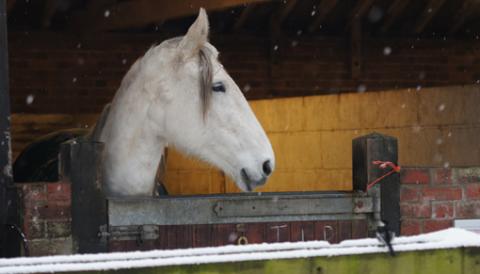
(179, 94)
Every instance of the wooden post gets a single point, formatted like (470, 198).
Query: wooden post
(7, 210)
(367, 149)
(80, 165)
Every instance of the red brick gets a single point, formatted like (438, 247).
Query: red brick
(58, 229)
(58, 191)
(52, 211)
(415, 176)
(33, 192)
(467, 209)
(410, 227)
(472, 191)
(443, 210)
(416, 210)
(467, 175)
(34, 229)
(442, 193)
(442, 176)
(434, 225)
(409, 194)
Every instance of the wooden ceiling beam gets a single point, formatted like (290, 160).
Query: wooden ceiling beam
(48, 11)
(393, 12)
(10, 4)
(360, 9)
(324, 9)
(428, 14)
(139, 13)
(244, 16)
(277, 17)
(463, 14)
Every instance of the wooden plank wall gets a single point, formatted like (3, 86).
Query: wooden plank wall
(311, 136)
(204, 235)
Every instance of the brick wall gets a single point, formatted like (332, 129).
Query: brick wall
(432, 198)
(71, 74)
(45, 213)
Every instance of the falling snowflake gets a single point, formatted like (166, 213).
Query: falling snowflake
(387, 50)
(419, 87)
(232, 237)
(106, 13)
(449, 134)
(29, 99)
(439, 141)
(294, 43)
(313, 13)
(299, 32)
(361, 88)
(275, 47)
(441, 107)
(74, 80)
(246, 88)
(446, 165)
(124, 61)
(404, 105)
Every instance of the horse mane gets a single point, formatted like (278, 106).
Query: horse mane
(206, 77)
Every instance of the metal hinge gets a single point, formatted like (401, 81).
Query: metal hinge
(124, 233)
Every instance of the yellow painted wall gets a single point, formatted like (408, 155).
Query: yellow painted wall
(312, 136)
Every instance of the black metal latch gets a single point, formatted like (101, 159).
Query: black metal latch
(139, 233)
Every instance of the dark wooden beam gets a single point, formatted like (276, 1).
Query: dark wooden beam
(10, 4)
(139, 13)
(393, 12)
(324, 9)
(356, 48)
(5, 151)
(48, 11)
(463, 14)
(428, 14)
(360, 9)
(277, 18)
(244, 16)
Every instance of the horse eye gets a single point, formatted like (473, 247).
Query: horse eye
(218, 87)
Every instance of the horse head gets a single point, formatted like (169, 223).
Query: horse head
(203, 112)
(179, 94)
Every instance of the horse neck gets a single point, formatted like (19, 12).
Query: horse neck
(133, 148)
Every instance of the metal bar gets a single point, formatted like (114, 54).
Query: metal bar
(250, 208)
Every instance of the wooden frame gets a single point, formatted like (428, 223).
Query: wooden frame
(204, 220)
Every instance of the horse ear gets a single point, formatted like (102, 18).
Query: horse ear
(196, 36)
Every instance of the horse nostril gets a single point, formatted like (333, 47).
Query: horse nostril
(267, 168)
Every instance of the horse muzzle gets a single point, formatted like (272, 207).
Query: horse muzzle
(252, 183)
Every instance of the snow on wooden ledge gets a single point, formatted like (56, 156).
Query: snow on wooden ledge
(445, 239)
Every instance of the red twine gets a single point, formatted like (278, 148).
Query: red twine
(383, 165)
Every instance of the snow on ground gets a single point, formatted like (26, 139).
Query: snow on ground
(450, 238)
